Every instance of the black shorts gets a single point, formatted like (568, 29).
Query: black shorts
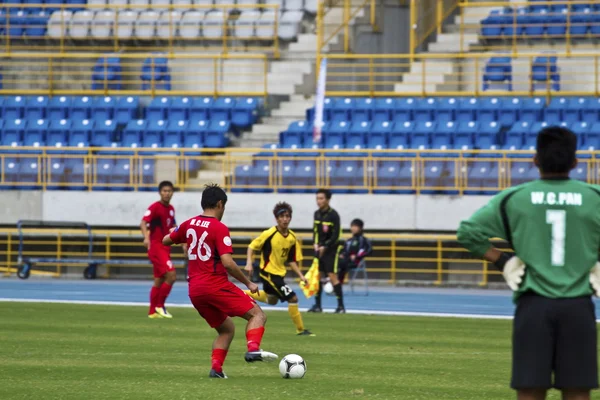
(554, 336)
(274, 285)
(328, 263)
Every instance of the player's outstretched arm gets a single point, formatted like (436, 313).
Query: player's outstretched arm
(233, 270)
(249, 259)
(294, 266)
(145, 233)
(167, 241)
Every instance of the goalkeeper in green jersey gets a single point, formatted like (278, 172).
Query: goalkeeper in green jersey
(553, 225)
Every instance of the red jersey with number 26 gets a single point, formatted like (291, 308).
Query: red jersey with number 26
(208, 239)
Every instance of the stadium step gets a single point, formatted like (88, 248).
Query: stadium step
(451, 42)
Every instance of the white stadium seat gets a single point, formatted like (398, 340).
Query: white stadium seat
(139, 5)
(102, 25)
(213, 24)
(80, 24)
(293, 5)
(96, 4)
(206, 5)
(58, 24)
(190, 26)
(121, 3)
(125, 22)
(244, 26)
(249, 4)
(160, 4)
(311, 6)
(182, 5)
(265, 26)
(289, 25)
(168, 23)
(145, 27)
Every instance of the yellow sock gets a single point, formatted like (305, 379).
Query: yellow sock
(260, 296)
(296, 317)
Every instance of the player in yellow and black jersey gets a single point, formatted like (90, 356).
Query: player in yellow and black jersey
(278, 247)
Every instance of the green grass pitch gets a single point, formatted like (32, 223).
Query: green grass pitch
(64, 351)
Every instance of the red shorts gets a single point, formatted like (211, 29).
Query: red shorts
(219, 303)
(160, 257)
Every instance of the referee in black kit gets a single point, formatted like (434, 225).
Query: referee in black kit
(327, 231)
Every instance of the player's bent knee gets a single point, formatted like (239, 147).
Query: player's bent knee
(226, 328)
(293, 300)
(272, 300)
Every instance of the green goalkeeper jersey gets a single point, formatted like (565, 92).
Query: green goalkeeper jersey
(553, 225)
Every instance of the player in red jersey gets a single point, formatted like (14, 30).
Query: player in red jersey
(216, 298)
(156, 223)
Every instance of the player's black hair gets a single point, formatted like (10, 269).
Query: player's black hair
(326, 192)
(211, 195)
(556, 150)
(165, 184)
(282, 207)
(358, 222)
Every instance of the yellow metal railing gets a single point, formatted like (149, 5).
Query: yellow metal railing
(369, 171)
(334, 18)
(426, 18)
(190, 74)
(396, 257)
(456, 75)
(111, 27)
(568, 30)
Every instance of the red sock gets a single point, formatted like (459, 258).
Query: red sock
(165, 289)
(254, 337)
(154, 295)
(218, 358)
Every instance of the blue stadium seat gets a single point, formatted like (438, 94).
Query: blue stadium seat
(222, 108)
(306, 175)
(155, 74)
(467, 109)
(581, 172)
(201, 107)
(383, 109)
(464, 137)
(518, 29)
(35, 133)
(291, 140)
(379, 136)
(403, 110)
(287, 172)
(591, 141)
(439, 177)
(80, 137)
(363, 110)
(180, 109)
(581, 129)
(217, 134)
(590, 110)
(174, 134)
(349, 176)
(58, 131)
(487, 139)
(400, 136)
(425, 109)
(121, 177)
(515, 137)
(35, 107)
(492, 27)
(519, 172)
(259, 176)
(58, 108)
(341, 109)
(126, 109)
(446, 110)
(107, 74)
(536, 26)
(12, 134)
(532, 109)
(356, 139)
(157, 109)
(241, 177)
(10, 167)
(81, 108)
(301, 127)
(556, 110)
(14, 107)
(37, 22)
(153, 135)
(556, 24)
(488, 111)
(104, 135)
(57, 174)
(442, 137)
(245, 112)
(479, 177)
(103, 108)
(30, 173)
(581, 20)
(422, 134)
(498, 71)
(544, 70)
(335, 135)
(132, 135)
(16, 22)
(510, 111)
(104, 172)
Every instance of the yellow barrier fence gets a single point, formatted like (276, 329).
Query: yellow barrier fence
(564, 26)
(396, 257)
(461, 75)
(91, 74)
(428, 17)
(62, 28)
(370, 171)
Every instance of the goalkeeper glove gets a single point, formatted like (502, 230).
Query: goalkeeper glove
(513, 270)
(595, 279)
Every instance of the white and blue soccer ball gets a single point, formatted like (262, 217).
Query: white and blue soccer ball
(292, 366)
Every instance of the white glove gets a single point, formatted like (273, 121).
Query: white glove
(595, 279)
(513, 272)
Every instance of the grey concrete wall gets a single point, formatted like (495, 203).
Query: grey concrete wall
(244, 210)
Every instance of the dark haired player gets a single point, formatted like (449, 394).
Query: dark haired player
(278, 246)
(553, 225)
(215, 298)
(355, 249)
(327, 232)
(156, 223)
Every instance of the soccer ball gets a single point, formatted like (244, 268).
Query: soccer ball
(328, 288)
(292, 366)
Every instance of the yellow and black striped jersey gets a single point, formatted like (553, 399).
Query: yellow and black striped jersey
(277, 250)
